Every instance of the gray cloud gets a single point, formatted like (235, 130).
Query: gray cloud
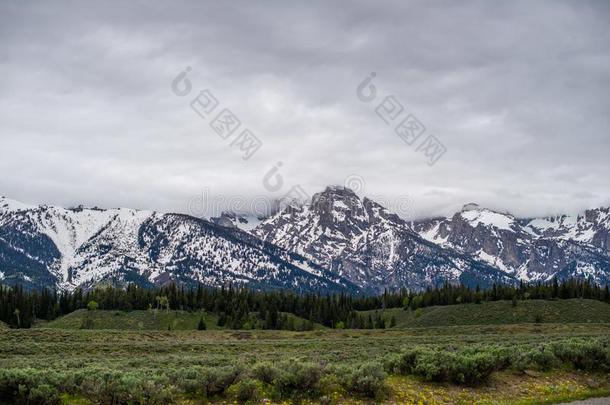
(517, 92)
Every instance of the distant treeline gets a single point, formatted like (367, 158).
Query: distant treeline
(239, 308)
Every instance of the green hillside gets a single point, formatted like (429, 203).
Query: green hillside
(142, 320)
(486, 313)
(502, 312)
(3, 325)
(133, 320)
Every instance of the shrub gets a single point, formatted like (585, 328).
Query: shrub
(100, 384)
(391, 363)
(246, 390)
(92, 305)
(585, 355)
(23, 386)
(139, 388)
(433, 365)
(188, 380)
(265, 372)
(333, 381)
(204, 381)
(43, 394)
(402, 363)
(113, 386)
(469, 368)
(217, 380)
(473, 369)
(541, 358)
(368, 380)
(297, 377)
(9, 384)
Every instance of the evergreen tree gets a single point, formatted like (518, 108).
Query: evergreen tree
(233, 306)
(201, 325)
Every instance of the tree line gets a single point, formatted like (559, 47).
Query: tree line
(243, 308)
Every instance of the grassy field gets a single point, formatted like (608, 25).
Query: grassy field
(218, 347)
(95, 358)
(502, 312)
(490, 353)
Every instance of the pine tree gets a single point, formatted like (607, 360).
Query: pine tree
(17, 312)
(201, 325)
(369, 323)
(233, 305)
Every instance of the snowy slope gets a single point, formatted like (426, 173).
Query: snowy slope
(337, 242)
(530, 250)
(592, 227)
(362, 241)
(68, 248)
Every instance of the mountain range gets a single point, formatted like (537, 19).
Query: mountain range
(527, 249)
(339, 242)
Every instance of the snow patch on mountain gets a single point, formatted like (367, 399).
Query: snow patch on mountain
(8, 205)
(79, 247)
(364, 242)
(336, 242)
(591, 227)
(531, 250)
(489, 218)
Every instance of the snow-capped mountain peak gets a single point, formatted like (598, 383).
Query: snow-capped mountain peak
(532, 249)
(42, 246)
(8, 205)
(488, 218)
(243, 221)
(592, 227)
(336, 242)
(361, 240)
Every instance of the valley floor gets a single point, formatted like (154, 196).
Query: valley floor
(76, 366)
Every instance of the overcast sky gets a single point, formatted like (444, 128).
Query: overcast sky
(517, 92)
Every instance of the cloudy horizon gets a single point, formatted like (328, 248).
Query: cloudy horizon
(92, 111)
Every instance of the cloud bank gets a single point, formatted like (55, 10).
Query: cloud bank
(517, 93)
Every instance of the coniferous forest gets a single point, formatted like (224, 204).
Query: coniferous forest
(235, 307)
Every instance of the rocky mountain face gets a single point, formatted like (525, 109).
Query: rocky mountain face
(66, 248)
(592, 228)
(337, 242)
(360, 240)
(244, 221)
(528, 249)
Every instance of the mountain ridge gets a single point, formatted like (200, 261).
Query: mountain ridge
(336, 242)
(55, 247)
(524, 247)
(362, 241)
